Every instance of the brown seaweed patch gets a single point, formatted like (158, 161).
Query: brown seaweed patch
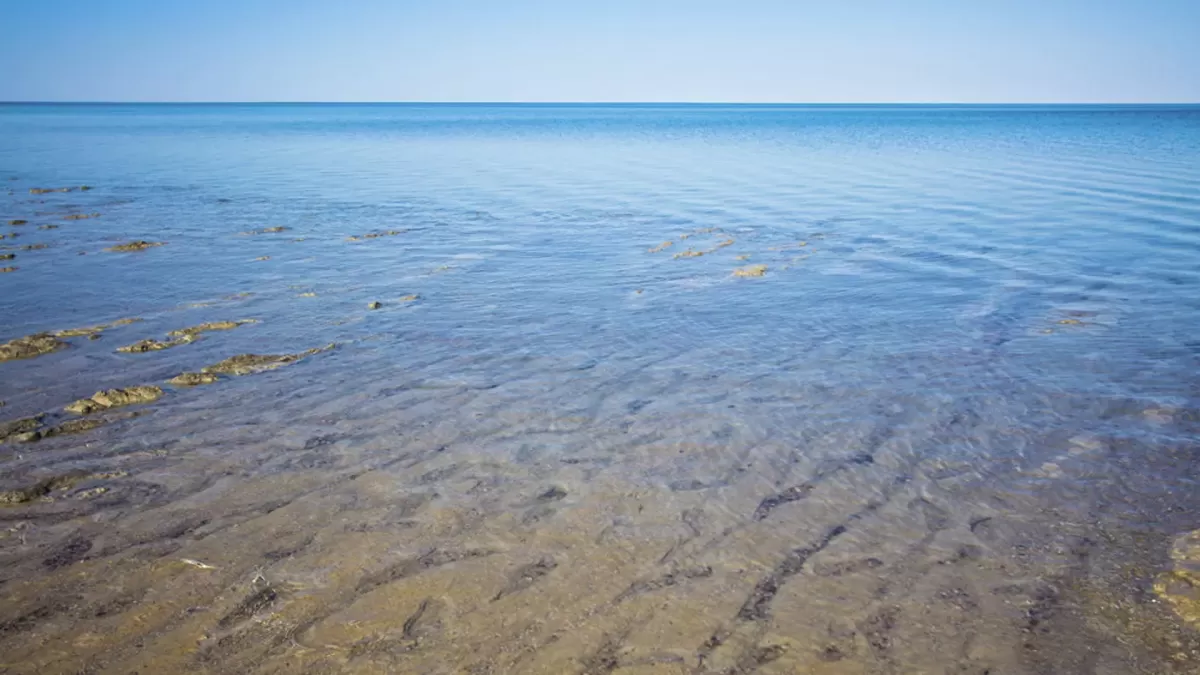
(193, 379)
(114, 398)
(375, 235)
(81, 216)
(750, 271)
(661, 247)
(268, 230)
(245, 364)
(30, 346)
(139, 245)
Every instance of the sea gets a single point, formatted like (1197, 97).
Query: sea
(631, 389)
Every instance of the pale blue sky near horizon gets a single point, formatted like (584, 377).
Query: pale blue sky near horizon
(855, 51)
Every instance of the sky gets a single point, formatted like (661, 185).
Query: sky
(853, 51)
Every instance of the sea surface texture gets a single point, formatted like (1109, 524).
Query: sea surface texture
(648, 390)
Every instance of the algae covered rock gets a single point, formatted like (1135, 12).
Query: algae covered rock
(150, 345)
(7, 256)
(138, 245)
(114, 398)
(193, 379)
(750, 271)
(1180, 587)
(245, 364)
(268, 230)
(14, 429)
(193, 331)
(30, 346)
(42, 191)
(6, 270)
(17, 221)
(374, 305)
(81, 216)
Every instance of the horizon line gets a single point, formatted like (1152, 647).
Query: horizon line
(627, 103)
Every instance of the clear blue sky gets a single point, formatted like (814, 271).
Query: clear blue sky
(601, 50)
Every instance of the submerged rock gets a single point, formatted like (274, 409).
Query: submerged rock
(150, 345)
(268, 230)
(6, 270)
(81, 216)
(34, 247)
(192, 331)
(245, 364)
(12, 430)
(661, 247)
(690, 253)
(42, 191)
(41, 488)
(262, 258)
(76, 426)
(1180, 587)
(138, 245)
(375, 235)
(93, 330)
(47, 227)
(17, 221)
(7, 256)
(750, 271)
(192, 379)
(410, 298)
(374, 305)
(30, 346)
(114, 398)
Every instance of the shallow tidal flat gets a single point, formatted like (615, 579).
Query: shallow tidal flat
(653, 391)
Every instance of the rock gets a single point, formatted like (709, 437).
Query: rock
(245, 364)
(41, 488)
(309, 294)
(750, 271)
(261, 258)
(192, 331)
(268, 230)
(47, 227)
(374, 305)
(150, 345)
(410, 298)
(17, 221)
(192, 379)
(10, 430)
(81, 216)
(1180, 587)
(690, 253)
(7, 256)
(375, 235)
(34, 247)
(6, 270)
(42, 191)
(138, 245)
(30, 346)
(114, 398)
(662, 247)
(85, 188)
(92, 330)
(1070, 322)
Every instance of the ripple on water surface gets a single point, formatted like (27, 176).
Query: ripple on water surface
(599, 389)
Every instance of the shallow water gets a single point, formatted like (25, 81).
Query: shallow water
(951, 428)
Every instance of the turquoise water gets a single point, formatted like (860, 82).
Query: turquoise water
(985, 313)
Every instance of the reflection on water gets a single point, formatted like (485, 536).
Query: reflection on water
(909, 391)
